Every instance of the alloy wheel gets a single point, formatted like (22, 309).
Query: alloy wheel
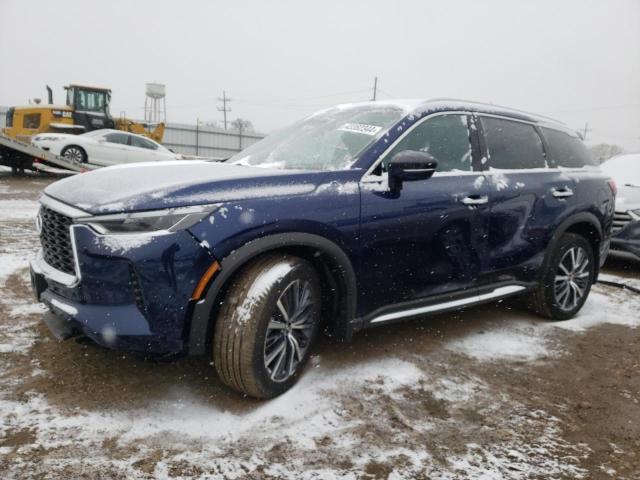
(572, 278)
(289, 331)
(74, 154)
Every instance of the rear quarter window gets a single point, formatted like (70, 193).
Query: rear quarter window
(512, 145)
(566, 150)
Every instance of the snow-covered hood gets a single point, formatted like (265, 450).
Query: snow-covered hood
(628, 198)
(157, 185)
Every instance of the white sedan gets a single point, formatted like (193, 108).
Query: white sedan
(104, 147)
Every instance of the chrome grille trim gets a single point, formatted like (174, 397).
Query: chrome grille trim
(58, 258)
(621, 220)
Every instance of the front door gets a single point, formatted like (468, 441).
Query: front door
(430, 239)
(111, 149)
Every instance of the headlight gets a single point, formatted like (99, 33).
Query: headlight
(171, 220)
(635, 213)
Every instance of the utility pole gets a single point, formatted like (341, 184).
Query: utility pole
(585, 131)
(224, 108)
(375, 88)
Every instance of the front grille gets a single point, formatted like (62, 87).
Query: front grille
(620, 220)
(55, 237)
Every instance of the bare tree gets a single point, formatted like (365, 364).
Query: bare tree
(242, 125)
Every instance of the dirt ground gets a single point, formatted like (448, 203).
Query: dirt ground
(493, 392)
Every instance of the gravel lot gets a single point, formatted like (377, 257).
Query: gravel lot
(493, 392)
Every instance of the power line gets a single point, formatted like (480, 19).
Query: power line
(224, 108)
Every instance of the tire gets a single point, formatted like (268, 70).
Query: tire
(74, 153)
(258, 317)
(555, 298)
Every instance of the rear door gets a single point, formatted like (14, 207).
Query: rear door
(528, 198)
(144, 150)
(110, 149)
(430, 239)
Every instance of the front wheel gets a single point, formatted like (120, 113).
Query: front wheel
(74, 153)
(567, 279)
(266, 326)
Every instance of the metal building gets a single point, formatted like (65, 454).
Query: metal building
(206, 141)
(200, 140)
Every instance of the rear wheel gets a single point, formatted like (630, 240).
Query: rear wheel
(567, 279)
(267, 324)
(74, 153)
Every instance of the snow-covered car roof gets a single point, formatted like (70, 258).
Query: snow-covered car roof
(421, 106)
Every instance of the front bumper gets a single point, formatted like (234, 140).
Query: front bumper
(627, 240)
(135, 298)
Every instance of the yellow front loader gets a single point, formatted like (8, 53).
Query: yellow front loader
(86, 109)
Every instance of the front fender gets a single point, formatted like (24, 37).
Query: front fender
(201, 326)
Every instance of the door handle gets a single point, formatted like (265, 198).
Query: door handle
(475, 200)
(562, 192)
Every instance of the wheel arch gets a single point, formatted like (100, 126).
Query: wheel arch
(584, 224)
(332, 263)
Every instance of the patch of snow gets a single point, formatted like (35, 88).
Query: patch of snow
(612, 306)
(513, 341)
(19, 209)
(17, 337)
(260, 287)
(123, 243)
(339, 188)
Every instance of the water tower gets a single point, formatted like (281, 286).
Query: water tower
(155, 106)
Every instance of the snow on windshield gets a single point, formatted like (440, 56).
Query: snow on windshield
(328, 140)
(624, 169)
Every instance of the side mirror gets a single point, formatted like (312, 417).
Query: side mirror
(410, 165)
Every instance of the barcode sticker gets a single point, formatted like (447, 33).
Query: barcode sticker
(360, 128)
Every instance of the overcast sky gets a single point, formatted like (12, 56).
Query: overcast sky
(578, 61)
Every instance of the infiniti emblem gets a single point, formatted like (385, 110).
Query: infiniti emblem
(39, 223)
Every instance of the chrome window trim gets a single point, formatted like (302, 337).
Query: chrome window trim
(369, 178)
(496, 293)
(384, 154)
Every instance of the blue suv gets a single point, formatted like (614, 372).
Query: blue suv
(357, 216)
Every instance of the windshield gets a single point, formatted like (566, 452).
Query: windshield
(329, 140)
(624, 169)
(90, 101)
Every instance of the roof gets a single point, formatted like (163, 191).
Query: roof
(88, 87)
(421, 106)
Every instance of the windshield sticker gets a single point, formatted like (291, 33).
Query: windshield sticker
(360, 128)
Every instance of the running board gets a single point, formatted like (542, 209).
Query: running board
(497, 293)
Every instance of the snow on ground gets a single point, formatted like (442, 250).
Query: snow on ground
(18, 210)
(190, 432)
(533, 340)
(360, 413)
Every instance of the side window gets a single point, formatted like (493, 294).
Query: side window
(512, 145)
(446, 137)
(143, 143)
(120, 138)
(566, 150)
